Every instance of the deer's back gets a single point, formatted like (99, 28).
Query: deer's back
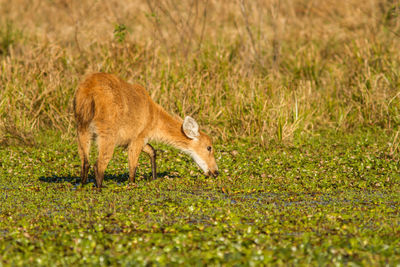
(120, 108)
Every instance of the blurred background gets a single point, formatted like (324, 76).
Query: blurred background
(262, 70)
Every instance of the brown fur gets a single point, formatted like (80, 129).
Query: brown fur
(119, 113)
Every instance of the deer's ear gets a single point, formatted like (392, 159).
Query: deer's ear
(190, 127)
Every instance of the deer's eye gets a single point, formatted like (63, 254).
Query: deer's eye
(209, 148)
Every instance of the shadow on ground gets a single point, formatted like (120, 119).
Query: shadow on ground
(120, 178)
(60, 179)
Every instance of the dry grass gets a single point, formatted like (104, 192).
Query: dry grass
(263, 70)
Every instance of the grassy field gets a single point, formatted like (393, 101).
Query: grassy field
(330, 200)
(302, 100)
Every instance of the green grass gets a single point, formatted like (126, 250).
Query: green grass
(328, 199)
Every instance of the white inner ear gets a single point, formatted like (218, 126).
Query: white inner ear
(190, 127)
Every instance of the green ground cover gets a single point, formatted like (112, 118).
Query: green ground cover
(332, 198)
(282, 86)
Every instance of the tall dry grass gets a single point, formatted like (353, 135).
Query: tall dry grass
(263, 70)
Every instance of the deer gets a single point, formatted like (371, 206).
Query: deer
(114, 113)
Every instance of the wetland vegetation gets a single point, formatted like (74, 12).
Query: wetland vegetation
(324, 200)
(301, 98)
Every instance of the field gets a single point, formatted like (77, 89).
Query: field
(302, 101)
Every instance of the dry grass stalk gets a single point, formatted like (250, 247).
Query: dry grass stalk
(262, 70)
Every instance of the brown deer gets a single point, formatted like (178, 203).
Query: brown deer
(119, 113)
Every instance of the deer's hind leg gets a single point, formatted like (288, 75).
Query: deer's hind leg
(84, 140)
(149, 150)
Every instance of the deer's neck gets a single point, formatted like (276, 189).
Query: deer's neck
(169, 130)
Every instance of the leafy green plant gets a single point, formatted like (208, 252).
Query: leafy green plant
(120, 31)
